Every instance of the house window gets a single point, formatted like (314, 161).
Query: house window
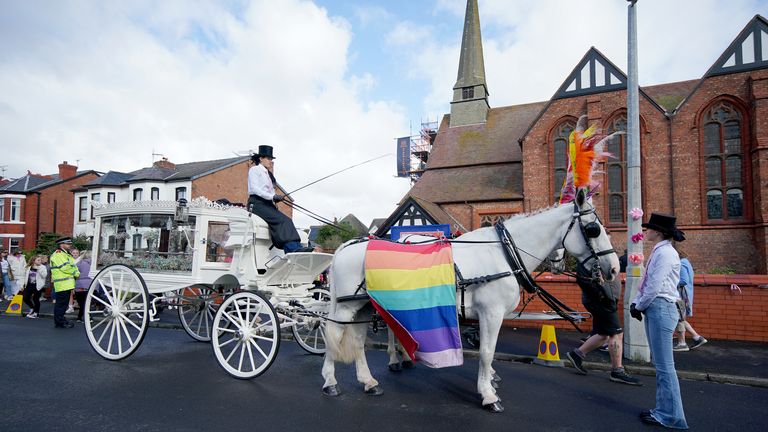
(412, 217)
(16, 209)
(15, 244)
(723, 162)
(110, 197)
(468, 93)
(490, 219)
(82, 209)
(616, 168)
(181, 192)
(137, 194)
(560, 155)
(154, 194)
(2, 209)
(95, 197)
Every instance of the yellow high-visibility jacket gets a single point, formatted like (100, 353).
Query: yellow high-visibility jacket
(63, 271)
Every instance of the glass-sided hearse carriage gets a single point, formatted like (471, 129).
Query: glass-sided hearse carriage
(216, 265)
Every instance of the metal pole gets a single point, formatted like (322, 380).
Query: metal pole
(635, 341)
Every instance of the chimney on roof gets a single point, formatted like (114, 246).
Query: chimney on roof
(66, 170)
(164, 163)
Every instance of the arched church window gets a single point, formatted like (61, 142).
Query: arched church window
(616, 168)
(723, 162)
(560, 154)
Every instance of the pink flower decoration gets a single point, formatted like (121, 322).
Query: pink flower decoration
(636, 213)
(637, 237)
(636, 259)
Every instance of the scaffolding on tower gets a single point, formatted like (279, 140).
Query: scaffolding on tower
(419, 147)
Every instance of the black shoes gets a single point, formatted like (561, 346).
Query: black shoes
(647, 418)
(68, 324)
(621, 376)
(698, 342)
(576, 362)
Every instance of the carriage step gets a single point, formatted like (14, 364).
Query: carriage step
(352, 298)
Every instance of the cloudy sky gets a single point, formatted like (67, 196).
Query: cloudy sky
(328, 83)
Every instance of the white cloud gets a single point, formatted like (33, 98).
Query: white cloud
(407, 33)
(111, 83)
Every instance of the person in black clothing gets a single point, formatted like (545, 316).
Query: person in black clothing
(623, 262)
(602, 302)
(262, 199)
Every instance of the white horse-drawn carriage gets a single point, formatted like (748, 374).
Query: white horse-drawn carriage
(216, 265)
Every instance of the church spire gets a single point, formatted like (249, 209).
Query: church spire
(470, 94)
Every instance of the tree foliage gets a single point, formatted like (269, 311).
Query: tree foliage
(330, 237)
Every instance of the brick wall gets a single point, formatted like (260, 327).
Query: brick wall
(60, 197)
(718, 311)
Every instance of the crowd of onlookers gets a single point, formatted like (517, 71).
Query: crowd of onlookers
(32, 278)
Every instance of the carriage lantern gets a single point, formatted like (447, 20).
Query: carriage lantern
(182, 211)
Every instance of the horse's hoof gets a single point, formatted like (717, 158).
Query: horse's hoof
(332, 390)
(495, 407)
(408, 364)
(374, 391)
(494, 384)
(496, 377)
(395, 367)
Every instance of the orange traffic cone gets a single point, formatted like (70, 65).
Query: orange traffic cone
(549, 354)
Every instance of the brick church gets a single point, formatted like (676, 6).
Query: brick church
(704, 151)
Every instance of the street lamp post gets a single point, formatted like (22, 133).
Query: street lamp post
(635, 341)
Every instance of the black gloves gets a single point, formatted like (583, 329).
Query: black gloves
(636, 314)
(278, 198)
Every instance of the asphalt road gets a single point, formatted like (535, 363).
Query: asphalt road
(53, 381)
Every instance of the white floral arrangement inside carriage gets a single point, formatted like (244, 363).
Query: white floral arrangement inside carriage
(153, 261)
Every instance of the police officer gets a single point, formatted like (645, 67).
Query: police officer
(262, 199)
(64, 272)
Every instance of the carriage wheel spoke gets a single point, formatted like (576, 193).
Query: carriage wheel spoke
(250, 356)
(111, 336)
(129, 321)
(103, 333)
(256, 315)
(119, 335)
(221, 345)
(100, 301)
(127, 333)
(242, 355)
(133, 298)
(261, 351)
(199, 322)
(232, 320)
(98, 324)
(264, 338)
(105, 290)
(231, 353)
(225, 330)
(239, 313)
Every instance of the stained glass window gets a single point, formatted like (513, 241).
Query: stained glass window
(723, 162)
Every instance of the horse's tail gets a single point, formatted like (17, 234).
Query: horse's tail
(339, 342)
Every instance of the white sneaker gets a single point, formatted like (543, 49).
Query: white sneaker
(31, 315)
(680, 347)
(70, 310)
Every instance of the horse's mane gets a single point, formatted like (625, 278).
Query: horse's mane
(532, 213)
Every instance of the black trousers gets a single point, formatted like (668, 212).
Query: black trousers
(80, 298)
(62, 303)
(32, 297)
(281, 227)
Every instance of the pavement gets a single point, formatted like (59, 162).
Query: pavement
(722, 361)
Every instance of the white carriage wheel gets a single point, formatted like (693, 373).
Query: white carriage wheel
(246, 335)
(116, 311)
(196, 315)
(309, 331)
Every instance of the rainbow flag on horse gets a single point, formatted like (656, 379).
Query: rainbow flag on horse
(413, 287)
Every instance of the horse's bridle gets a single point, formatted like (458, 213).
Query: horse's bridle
(589, 231)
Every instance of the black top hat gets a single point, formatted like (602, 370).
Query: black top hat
(264, 151)
(64, 240)
(665, 224)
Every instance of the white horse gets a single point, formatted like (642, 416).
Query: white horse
(573, 226)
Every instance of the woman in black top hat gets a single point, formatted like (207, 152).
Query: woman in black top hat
(656, 302)
(262, 199)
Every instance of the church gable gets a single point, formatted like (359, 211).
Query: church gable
(593, 74)
(749, 51)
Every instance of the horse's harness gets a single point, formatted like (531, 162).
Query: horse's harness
(589, 230)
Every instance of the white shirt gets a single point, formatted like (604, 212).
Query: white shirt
(259, 183)
(661, 276)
